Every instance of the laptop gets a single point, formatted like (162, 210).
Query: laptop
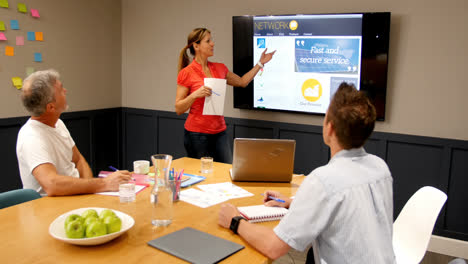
(263, 160)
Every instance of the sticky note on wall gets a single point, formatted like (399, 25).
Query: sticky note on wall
(19, 41)
(2, 26)
(9, 51)
(31, 36)
(22, 8)
(2, 36)
(38, 57)
(4, 3)
(39, 36)
(29, 70)
(35, 13)
(14, 24)
(17, 82)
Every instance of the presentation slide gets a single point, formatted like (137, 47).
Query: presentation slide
(306, 69)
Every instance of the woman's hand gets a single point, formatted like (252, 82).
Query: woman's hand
(202, 92)
(184, 101)
(266, 57)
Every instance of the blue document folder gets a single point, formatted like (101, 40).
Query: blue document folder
(193, 180)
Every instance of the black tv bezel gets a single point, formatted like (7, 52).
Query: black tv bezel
(374, 59)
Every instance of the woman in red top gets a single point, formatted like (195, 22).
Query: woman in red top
(205, 135)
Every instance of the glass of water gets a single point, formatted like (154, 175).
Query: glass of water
(206, 165)
(127, 192)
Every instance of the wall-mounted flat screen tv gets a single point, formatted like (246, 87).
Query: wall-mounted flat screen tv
(315, 53)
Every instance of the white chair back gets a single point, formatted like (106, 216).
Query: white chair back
(412, 229)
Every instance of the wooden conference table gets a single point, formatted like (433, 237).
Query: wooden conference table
(25, 238)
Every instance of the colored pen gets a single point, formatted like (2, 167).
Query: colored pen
(115, 169)
(274, 198)
(181, 174)
(215, 93)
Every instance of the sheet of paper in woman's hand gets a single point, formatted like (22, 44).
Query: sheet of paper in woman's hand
(214, 104)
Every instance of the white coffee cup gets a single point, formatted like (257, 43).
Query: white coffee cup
(141, 166)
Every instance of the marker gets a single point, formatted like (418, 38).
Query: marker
(274, 198)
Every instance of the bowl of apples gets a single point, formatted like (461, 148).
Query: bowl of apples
(90, 226)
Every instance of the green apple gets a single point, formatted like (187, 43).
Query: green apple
(71, 218)
(106, 212)
(113, 224)
(90, 219)
(89, 212)
(95, 229)
(75, 229)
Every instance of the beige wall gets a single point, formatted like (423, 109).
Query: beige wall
(104, 67)
(427, 64)
(82, 41)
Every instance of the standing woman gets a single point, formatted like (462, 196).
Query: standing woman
(205, 135)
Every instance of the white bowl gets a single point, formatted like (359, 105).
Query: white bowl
(57, 229)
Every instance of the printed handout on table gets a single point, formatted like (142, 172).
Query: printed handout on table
(201, 199)
(225, 189)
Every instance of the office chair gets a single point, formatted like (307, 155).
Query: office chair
(412, 229)
(14, 197)
(457, 261)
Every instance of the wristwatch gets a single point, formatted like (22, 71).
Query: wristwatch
(235, 223)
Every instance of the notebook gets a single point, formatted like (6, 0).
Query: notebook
(138, 179)
(262, 213)
(196, 246)
(264, 160)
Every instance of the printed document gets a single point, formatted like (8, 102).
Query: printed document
(200, 198)
(225, 190)
(214, 104)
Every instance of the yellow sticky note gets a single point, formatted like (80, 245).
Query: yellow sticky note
(9, 51)
(22, 8)
(2, 26)
(17, 82)
(4, 3)
(39, 36)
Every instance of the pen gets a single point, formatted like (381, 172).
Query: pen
(274, 198)
(181, 174)
(215, 93)
(115, 169)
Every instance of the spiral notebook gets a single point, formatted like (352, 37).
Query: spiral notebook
(262, 213)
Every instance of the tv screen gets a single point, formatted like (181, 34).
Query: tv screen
(314, 54)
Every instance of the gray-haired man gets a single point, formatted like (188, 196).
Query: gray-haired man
(48, 158)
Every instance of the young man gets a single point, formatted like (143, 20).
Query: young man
(345, 206)
(48, 158)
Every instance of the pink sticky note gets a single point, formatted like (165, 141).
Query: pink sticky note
(2, 36)
(35, 13)
(19, 41)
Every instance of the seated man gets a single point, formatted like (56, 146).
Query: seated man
(345, 206)
(48, 158)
